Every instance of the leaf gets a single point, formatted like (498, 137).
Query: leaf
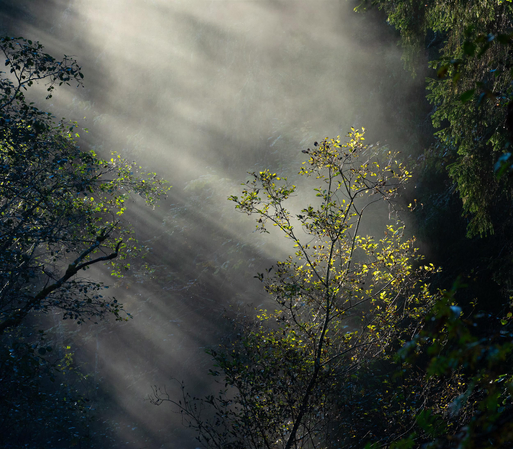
(502, 165)
(481, 98)
(468, 30)
(442, 71)
(469, 48)
(504, 38)
(484, 48)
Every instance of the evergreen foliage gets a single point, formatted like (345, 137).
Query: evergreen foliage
(469, 44)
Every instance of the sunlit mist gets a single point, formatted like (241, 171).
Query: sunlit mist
(201, 92)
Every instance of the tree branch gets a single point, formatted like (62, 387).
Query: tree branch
(72, 270)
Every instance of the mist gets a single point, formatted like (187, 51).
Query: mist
(201, 92)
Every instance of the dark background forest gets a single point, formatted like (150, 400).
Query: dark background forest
(376, 312)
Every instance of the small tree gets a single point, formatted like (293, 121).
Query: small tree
(343, 299)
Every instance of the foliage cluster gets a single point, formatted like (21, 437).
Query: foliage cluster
(359, 350)
(470, 91)
(467, 380)
(61, 212)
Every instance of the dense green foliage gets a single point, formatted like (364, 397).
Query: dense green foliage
(61, 211)
(469, 44)
(467, 383)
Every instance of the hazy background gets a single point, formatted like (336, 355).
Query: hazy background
(201, 92)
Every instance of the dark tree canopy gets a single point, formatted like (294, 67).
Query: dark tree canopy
(61, 211)
(61, 208)
(469, 44)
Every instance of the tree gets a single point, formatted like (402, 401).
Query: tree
(343, 300)
(61, 207)
(62, 210)
(470, 49)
